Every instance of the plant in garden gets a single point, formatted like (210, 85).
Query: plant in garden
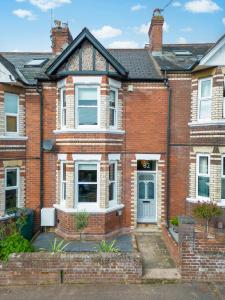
(108, 247)
(58, 246)
(14, 243)
(81, 221)
(206, 211)
(174, 221)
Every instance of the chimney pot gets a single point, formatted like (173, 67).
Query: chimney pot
(60, 36)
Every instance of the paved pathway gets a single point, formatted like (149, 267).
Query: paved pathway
(111, 292)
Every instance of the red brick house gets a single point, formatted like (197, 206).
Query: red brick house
(118, 133)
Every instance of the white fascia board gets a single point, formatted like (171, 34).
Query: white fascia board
(148, 156)
(212, 52)
(87, 79)
(87, 157)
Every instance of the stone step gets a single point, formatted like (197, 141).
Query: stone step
(147, 228)
(161, 276)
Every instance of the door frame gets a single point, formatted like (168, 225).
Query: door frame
(156, 194)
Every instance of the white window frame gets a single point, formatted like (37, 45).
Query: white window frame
(222, 175)
(200, 99)
(202, 175)
(115, 109)
(63, 183)
(63, 108)
(224, 98)
(12, 115)
(17, 187)
(87, 86)
(115, 181)
(86, 206)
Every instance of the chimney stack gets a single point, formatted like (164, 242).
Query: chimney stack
(60, 37)
(155, 32)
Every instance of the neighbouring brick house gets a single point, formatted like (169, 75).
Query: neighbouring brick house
(127, 135)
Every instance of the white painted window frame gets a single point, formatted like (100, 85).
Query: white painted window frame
(86, 206)
(63, 183)
(198, 155)
(115, 126)
(17, 187)
(200, 99)
(12, 115)
(63, 109)
(115, 182)
(222, 175)
(87, 86)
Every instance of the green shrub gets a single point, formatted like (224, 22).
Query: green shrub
(14, 243)
(81, 221)
(108, 247)
(58, 246)
(174, 221)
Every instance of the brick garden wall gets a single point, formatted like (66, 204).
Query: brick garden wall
(201, 259)
(48, 268)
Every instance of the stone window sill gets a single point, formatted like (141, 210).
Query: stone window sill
(90, 210)
(13, 138)
(64, 131)
(207, 123)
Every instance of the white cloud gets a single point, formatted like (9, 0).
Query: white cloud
(24, 14)
(186, 29)
(176, 4)
(223, 20)
(45, 5)
(181, 40)
(166, 27)
(20, 0)
(123, 44)
(144, 28)
(106, 32)
(138, 7)
(202, 6)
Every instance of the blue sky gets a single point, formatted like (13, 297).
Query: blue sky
(25, 24)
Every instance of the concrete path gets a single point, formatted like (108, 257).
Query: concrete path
(157, 263)
(111, 292)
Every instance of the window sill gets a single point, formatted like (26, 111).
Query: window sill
(207, 123)
(13, 138)
(88, 130)
(89, 210)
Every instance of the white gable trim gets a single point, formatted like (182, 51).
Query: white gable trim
(209, 56)
(5, 75)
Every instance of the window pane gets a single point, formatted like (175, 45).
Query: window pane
(205, 88)
(223, 166)
(223, 188)
(112, 98)
(10, 199)
(64, 98)
(11, 178)
(64, 172)
(63, 191)
(141, 190)
(203, 165)
(11, 124)
(205, 109)
(112, 172)
(87, 96)
(203, 186)
(11, 103)
(87, 193)
(151, 190)
(87, 173)
(64, 117)
(112, 191)
(112, 117)
(88, 116)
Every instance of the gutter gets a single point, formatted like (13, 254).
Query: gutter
(168, 152)
(39, 91)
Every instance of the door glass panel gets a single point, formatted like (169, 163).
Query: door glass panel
(148, 177)
(150, 189)
(141, 190)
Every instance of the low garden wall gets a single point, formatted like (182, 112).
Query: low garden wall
(201, 259)
(52, 268)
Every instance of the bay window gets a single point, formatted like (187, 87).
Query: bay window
(11, 109)
(63, 182)
(63, 107)
(223, 178)
(203, 175)
(112, 108)
(87, 105)
(204, 99)
(112, 183)
(11, 188)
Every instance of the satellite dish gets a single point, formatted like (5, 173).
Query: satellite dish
(48, 145)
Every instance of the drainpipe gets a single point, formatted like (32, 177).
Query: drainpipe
(40, 92)
(169, 90)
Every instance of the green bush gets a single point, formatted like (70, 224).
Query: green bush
(108, 247)
(81, 221)
(174, 221)
(14, 243)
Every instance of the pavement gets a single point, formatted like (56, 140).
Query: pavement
(45, 241)
(180, 291)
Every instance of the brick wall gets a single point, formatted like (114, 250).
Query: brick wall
(49, 268)
(201, 259)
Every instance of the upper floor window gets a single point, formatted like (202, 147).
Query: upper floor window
(205, 99)
(223, 178)
(11, 188)
(87, 106)
(203, 175)
(112, 183)
(63, 107)
(112, 108)
(11, 108)
(63, 182)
